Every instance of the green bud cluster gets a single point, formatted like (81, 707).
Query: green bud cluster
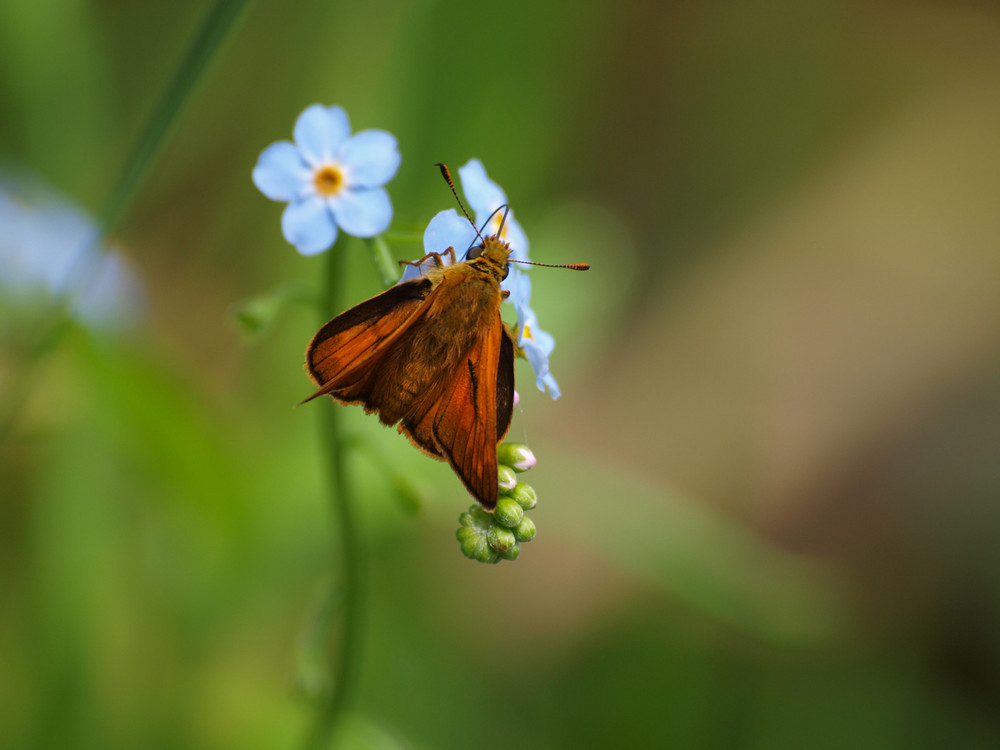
(492, 537)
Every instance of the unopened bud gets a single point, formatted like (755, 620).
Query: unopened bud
(472, 542)
(517, 456)
(525, 495)
(500, 539)
(506, 478)
(525, 531)
(508, 513)
(512, 553)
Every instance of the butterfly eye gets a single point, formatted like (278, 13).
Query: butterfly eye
(506, 270)
(475, 252)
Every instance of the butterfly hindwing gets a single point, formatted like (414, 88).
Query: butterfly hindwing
(465, 424)
(505, 384)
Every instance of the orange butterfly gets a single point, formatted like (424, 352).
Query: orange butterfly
(433, 355)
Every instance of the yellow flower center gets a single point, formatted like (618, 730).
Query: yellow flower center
(328, 180)
(527, 333)
(495, 222)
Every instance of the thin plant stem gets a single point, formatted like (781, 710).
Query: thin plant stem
(386, 268)
(348, 556)
(217, 23)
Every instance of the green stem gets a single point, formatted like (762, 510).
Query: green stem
(345, 665)
(408, 238)
(386, 268)
(218, 21)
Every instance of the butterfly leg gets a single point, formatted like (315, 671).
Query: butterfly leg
(436, 256)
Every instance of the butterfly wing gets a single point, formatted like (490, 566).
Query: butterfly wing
(505, 384)
(461, 418)
(346, 351)
(466, 419)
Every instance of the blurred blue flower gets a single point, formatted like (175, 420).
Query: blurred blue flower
(329, 178)
(49, 249)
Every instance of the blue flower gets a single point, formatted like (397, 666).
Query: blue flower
(485, 197)
(447, 229)
(49, 250)
(536, 344)
(329, 178)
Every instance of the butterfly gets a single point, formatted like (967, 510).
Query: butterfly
(433, 356)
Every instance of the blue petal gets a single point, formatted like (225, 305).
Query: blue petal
(308, 225)
(541, 344)
(518, 240)
(320, 132)
(370, 158)
(519, 285)
(412, 272)
(551, 384)
(484, 195)
(115, 295)
(539, 360)
(514, 277)
(49, 248)
(281, 174)
(448, 229)
(543, 341)
(363, 213)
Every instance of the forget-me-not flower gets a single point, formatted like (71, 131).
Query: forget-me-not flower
(49, 250)
(329, 178)
(485, 197)
(536, 344)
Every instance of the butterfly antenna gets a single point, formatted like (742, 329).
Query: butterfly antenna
(489, 218)
(570, 266)
(503, 219)
(446, 173)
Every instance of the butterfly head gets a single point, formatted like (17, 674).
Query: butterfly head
(492, 254)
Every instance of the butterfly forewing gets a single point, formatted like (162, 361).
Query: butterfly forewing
(347, 349)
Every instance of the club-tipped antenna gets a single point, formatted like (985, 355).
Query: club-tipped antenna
(570, 266)
(446, 173)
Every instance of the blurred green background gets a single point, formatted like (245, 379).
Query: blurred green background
(769, 498)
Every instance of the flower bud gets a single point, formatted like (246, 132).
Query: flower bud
(472, 541)
(479, 518)
(500, 539)
(506, 479)
(512, 553)
(525, 495)
(525, 531)
(488, 555)
(517, 456)
(508, 513)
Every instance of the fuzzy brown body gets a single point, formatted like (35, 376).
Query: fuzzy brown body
(432, 355)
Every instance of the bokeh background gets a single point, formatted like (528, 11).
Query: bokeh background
(769, 497)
